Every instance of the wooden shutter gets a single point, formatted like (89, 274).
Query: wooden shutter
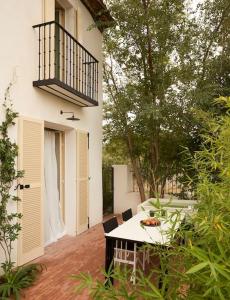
(31, 147)
(82, 181)
(62, 174)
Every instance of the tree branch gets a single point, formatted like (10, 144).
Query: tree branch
(215, 31)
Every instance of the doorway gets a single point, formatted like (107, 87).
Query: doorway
(54, 226)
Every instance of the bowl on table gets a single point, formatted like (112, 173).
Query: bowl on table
(151, 222)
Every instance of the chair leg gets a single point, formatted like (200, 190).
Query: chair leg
(121, 254)
(116, 254)
(143, 262)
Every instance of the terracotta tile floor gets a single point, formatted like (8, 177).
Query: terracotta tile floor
(70, 255)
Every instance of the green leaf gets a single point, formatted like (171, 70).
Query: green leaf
(197, 268)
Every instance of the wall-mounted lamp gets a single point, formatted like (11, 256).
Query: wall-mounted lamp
(73, 118)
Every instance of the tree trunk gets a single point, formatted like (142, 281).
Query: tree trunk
(136, 170)
(136, 167)
(163, 187)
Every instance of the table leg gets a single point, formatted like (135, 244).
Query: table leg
(109, 265)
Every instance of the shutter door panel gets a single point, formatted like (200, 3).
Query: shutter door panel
(83, 155)
(62, 175)
(31, 144)
(31, 220)
(83, 205)
(82, 181)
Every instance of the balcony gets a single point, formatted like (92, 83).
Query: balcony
(65, 68)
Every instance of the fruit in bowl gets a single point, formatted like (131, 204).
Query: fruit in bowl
(151, 222)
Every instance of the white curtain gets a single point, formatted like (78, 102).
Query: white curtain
(54, 227)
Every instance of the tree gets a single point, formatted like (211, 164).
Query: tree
(158, 57)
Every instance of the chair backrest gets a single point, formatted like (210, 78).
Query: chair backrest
(126, 215)
(110, 224)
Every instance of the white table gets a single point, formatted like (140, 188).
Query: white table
(132, 230)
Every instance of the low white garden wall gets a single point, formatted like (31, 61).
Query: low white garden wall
(177, 203)
(123, 194)
(126, 197)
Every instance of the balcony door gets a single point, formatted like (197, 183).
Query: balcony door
(59, 42)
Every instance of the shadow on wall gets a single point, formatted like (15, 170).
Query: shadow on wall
(107, 178)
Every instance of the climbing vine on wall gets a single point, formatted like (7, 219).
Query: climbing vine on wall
(9, 221)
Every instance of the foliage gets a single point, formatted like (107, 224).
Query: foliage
(22, 277)
(163, 58)
(9, 224)
(197, 265)
(119, 153)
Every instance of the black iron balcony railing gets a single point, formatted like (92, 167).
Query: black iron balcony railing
(65, 67)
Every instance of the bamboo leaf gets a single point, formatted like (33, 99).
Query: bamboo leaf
(197, 268)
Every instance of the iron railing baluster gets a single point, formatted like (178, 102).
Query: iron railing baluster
(49, 48)
(70, 62)
(44, 54)
(74, 70)
(85, 91)
(66, 60)
(82, 76)
(39, 53)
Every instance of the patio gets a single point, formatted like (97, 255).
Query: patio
(70, 255)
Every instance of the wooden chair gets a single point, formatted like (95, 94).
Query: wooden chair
(126, 215)
(110, 224)
(122, 252)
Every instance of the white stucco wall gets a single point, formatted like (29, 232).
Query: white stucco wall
(19, 56)
(124, 197)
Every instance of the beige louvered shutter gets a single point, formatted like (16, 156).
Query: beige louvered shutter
(62, 174)
(82, 181)
(31, 147)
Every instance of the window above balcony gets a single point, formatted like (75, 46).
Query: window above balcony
(65, 68)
